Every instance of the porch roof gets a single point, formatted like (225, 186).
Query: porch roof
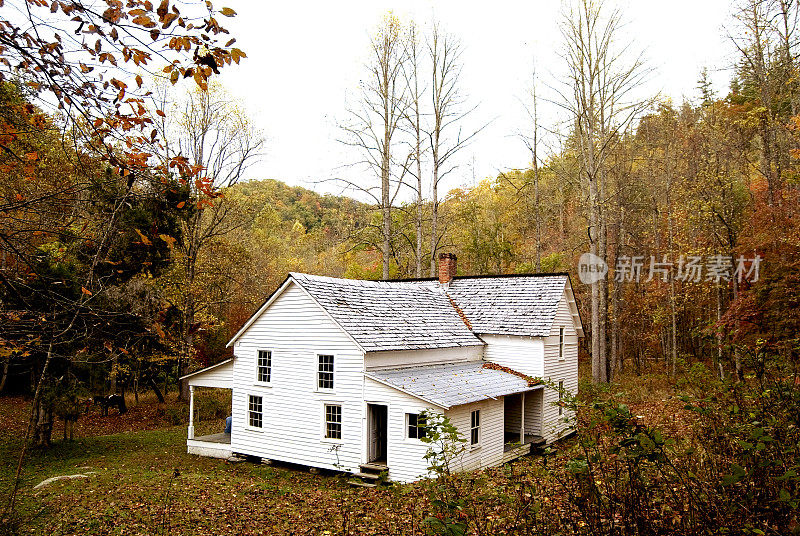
(452, 384)
(219, 375)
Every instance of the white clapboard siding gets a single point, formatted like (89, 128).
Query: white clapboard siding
(556, 370)
(404, 456)
(410, 358)
(295, 329)
(489, 452)
(523, 354)
(219, 376)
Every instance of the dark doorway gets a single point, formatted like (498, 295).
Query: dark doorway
(378, 432)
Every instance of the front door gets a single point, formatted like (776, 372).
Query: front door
(378, 426)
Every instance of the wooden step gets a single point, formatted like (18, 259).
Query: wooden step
(367, 476)
(361, 484)
(377, 467)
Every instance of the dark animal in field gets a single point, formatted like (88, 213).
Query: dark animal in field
(111, 400)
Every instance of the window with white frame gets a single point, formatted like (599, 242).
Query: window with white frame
(255, 412)
(264, 366)
(475, 428)
(333, 421)
(561, 397)
(561, 342)
(417, 425)
(325, 372)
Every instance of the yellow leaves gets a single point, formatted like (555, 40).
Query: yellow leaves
(170, 241)
(146, 241)
(228, 12)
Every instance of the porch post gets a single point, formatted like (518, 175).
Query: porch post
(191, 412)
(522, 422)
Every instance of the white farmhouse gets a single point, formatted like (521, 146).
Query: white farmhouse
(333, 373)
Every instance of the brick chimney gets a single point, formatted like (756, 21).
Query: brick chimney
(447, 267)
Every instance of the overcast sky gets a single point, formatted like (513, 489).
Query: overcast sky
(305, 60)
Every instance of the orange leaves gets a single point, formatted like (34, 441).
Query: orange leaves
(144, 240)
(86, 291)
(144, 20)
(237, 54)
(169, 240)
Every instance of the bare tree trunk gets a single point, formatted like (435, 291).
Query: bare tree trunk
(719, 353)
(4, 377)
(737, 355)
(616, 301)
(374, 123)
(414, 120)
(597, 95)
(447, 111)
(29, 430)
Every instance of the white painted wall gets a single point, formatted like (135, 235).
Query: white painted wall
(410, 358)
(404, 456)
(489, 453)
(523, 354)
(295, 329)
(556, 370)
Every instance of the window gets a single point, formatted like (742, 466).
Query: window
(561, 342)
(333, 421)
(560, 397)
(256, 412)
(325, 371)
(475, 428)
(264, 366)
(416, 425)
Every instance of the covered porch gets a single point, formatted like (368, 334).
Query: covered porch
(522, 423)
(217, 445)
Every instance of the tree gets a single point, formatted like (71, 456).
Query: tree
(532, 141)
(415, 127)
(447, 112)
(74, 55)
(598, 98)
(216, 136)
(374, 123)
(767, 78)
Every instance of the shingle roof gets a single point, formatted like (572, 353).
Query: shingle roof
(390, 316)
(521, 305)
(454, 384)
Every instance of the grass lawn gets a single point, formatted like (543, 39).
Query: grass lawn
(144, 482)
